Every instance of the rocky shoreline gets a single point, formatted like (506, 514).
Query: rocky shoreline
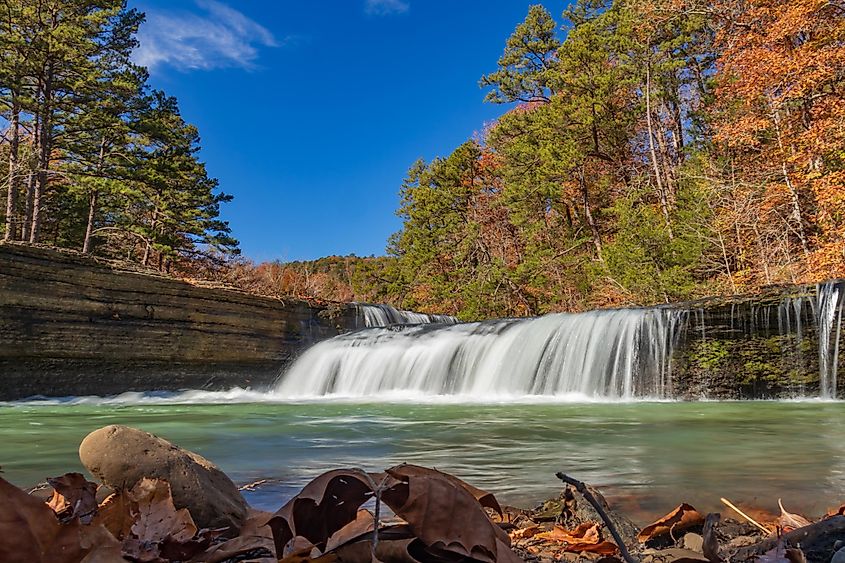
(157, 502)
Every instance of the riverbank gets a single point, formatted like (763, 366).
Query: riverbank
(154, 501)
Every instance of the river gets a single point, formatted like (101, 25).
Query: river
(646, 456)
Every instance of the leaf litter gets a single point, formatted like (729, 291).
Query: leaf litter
(441, 518)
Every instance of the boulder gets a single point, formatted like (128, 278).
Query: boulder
(120, 456)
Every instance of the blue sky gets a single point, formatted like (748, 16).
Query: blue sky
(312, 111)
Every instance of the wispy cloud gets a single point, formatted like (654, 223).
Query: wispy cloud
(218, 36)
(386, 7)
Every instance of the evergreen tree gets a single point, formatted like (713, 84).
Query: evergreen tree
(96, 159)
(526, 69)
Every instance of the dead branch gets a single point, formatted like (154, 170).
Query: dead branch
(585, 492)
(808, 538)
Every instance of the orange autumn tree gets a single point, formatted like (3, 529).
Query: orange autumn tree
(780, 113)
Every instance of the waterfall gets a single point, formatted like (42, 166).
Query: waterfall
(369, 315)
(829, 319)
(613, 354)
(806, 318)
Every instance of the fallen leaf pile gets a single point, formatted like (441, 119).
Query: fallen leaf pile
(433, 517)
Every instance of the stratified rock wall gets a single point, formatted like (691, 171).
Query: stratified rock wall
(766, 346)
(73, 325)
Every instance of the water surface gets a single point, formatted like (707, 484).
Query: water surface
(646, 457)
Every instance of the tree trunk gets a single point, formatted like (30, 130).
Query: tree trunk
(667, 160)
(43, 158)
(11, 197)
(146, 258)
(727, 262)
(793, 193)
(89, 229)
(148, 242)
(678, 124)
(589, 216)
(661, 192)
(31, 180)
(761, 249)
(92, 201)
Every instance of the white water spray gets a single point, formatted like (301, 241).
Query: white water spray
(609, 354)
(829, 318)
(384, 315)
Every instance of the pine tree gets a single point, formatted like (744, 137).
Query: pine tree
(526, 69)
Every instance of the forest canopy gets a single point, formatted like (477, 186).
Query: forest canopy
(98, 160)
(649, 151)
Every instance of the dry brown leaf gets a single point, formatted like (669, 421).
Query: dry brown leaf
(440, 509)
(585, 538)
(505, 554)
(106, 554)
(682, 518)
(255, 523)
(405, 470)
(114, 513)
(73, 496)
(173, 550)
(322, 507)
(789, 521)
(30, 532)
(389, 551)
(149, 526)
(524, 533)
(104, 547)
(587, 532)
(362, 524)
(601, 548)
(299, 556)
(445, 516)
(156, 518)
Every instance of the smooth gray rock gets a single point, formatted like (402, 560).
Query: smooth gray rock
(120, 456)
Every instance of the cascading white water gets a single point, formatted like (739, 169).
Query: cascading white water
(816, 316)
(613, 354)
(829, 318)
(384, 315)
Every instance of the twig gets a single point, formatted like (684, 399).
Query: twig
(376, 517)
(38, 487)
(377, 491)
(252, 486)
(733, 507)
(585, 492)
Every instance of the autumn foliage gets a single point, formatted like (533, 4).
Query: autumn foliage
(648, 152)
(779, 115)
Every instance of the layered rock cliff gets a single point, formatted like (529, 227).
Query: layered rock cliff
(74, 325)
(782, 343)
